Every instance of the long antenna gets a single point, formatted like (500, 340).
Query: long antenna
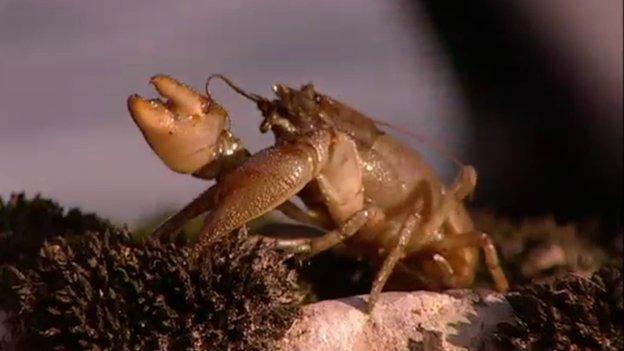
(434, 146)
(253, 97)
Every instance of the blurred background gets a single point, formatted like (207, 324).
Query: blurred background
(530, 92)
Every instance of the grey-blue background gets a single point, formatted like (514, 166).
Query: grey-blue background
(67, 66)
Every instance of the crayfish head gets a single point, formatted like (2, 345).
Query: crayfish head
(183, 127)
(299, 107)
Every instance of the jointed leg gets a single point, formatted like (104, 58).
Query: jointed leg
(204, 203)
(482, 240)
(309, 217)
(448, 273)
(439, 214)
(462, 187)
(390, 262)
(332, 238)
(465, 183)
(199, 205)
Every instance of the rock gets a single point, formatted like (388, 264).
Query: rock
(410, 321)
(422, 320)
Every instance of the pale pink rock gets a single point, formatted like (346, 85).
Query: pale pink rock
(422, 320)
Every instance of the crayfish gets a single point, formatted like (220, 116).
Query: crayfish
(372, 195)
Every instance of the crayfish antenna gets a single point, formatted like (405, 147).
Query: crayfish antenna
(434, 146)
(251, 96)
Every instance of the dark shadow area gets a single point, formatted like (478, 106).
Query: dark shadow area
(330, 275)
(476, 326)
(531, 141)
(358, 303)
(432, 341)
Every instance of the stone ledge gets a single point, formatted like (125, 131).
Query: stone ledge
(421, 320)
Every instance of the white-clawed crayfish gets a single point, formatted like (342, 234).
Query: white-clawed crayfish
(373, 195)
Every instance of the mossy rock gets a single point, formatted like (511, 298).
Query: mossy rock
(569, 313)
(89, 285)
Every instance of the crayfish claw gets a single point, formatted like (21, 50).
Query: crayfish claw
(183, 100)
(183, 128)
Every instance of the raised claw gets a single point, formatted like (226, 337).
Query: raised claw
(184, 128)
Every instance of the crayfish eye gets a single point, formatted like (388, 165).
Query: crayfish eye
(308, 91)
(282, 92)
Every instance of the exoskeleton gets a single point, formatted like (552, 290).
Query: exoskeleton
(374, 196)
